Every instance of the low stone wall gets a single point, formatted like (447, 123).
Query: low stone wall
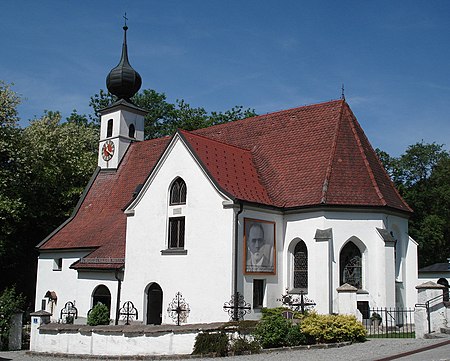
(131, 340)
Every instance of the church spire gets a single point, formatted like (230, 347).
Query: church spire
(123, 81)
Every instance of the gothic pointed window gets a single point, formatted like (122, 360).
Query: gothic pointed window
(109, 129)
(351, 265)
(301, 266)
(177, 220)
(178, 192)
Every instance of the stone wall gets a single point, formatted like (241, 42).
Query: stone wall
(124, 340)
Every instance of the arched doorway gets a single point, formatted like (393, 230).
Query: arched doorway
(444, 282)
(154, 304)
(102, 294)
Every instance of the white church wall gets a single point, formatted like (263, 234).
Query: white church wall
(303, 226)
(359, 227)
(406, 261)
(204, 274)
(69, 285)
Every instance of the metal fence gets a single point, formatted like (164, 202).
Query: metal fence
(390, 323)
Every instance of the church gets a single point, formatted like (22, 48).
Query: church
(294, 202)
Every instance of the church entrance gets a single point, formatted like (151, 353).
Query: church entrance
(102, 295)
(154, 304)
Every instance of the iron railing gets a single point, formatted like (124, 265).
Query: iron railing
(390, 323)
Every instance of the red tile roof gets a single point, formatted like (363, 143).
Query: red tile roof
(308, 156)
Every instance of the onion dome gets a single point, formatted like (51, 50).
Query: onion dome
(123, 81)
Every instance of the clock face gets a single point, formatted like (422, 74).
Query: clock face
(108, 150)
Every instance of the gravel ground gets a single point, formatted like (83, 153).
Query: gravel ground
(374, 349)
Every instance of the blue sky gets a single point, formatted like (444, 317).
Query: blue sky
(392, 56)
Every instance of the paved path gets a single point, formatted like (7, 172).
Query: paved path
(374, 349)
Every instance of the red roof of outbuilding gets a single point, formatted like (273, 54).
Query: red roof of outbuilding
(308, 156)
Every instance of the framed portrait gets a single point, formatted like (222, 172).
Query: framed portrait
(259, 247)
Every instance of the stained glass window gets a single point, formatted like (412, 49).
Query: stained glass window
(301, 266)
(351, 265)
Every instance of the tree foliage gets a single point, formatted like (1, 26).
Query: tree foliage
(165, 118)
(422, 176)
(10, 303)
(43, 171)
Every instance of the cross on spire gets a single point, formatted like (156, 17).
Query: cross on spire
(125, 17)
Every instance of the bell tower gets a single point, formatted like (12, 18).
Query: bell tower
(122, 122)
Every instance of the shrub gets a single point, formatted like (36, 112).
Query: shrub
(10, 303)
(242, 345)
(99, 315)
(333, 328)
(295, 337)
(206, 343)
(272, 330)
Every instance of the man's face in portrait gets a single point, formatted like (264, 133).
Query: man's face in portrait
(256, 239)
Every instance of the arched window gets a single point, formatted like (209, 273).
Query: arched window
(178, 192)
(301, 266)
(101, 294)
(444, 282)
(109, 129)
(351, 265)
(131, 131)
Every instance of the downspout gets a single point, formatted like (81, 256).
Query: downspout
(119, 289)
(236, 259)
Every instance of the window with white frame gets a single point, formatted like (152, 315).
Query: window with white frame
(176, 232)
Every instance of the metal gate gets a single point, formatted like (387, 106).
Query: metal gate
(390, 323)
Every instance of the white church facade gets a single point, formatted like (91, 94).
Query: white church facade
(293, 201)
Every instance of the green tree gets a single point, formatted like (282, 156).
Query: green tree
(44, 169)
(422, 176)
(165, 118)
(10, 303)
(9, 100)
(12, 163)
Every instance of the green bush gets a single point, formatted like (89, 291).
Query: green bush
(10, 303)
(272, 331)
(206, 343)
(295, 337)
(99, 315)
(242, 345)
(333, 328)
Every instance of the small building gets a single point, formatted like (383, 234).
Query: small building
(438, 273)
(294, 200)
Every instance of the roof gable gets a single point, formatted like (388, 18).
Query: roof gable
(230, 167)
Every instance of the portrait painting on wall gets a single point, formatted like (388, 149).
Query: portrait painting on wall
(259, 246)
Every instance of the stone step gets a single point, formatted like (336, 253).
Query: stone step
(436, 335)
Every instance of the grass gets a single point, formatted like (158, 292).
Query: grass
(393, 335)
